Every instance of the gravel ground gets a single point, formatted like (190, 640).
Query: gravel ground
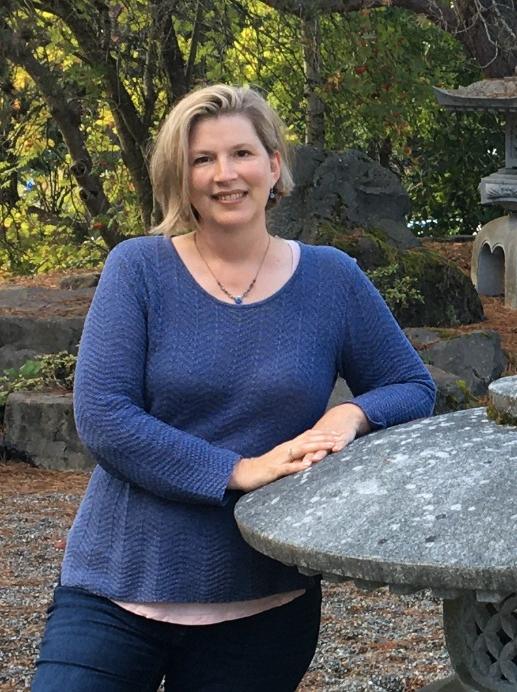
(370, 642)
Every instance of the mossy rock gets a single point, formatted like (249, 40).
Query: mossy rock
(501, 417)
(452, 393)
(447, 297)
(371, 249)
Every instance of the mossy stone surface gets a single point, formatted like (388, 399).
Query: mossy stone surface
(449, 297)
(501, 417)
(502, 407)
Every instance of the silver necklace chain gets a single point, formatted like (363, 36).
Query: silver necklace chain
(236, 299)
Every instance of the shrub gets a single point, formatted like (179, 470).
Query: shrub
(52, 370)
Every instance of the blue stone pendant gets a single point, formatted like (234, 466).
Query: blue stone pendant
(238, 299)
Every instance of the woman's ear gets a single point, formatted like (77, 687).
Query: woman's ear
(275, 167)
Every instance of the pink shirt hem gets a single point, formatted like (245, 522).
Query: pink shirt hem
(208, 613)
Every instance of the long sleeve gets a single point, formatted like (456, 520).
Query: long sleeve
(109, 397)
(385, 374)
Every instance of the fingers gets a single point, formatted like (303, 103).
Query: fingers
(314, 435)
(341, 444)
(314, 457)
(312, 441)
(300, 449)
(341, 441)
(294, 467)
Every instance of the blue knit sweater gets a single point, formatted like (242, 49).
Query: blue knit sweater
(173, 386)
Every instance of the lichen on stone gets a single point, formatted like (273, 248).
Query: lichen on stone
(501, 417)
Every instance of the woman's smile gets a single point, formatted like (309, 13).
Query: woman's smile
(229, 197)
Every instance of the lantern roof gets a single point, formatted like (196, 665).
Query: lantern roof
(485, 95)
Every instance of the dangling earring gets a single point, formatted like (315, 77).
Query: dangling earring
(272, 194)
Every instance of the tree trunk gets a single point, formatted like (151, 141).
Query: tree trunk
(315, 113)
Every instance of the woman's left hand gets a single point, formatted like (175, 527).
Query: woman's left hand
(348, 420)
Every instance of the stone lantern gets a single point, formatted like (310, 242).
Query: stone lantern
(428, 504)
(494, 255)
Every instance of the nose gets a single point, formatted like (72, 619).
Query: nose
(224, 169)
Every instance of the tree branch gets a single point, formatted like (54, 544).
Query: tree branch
(438, 13)
(196, 33)
(487, 29)
(81, 230)
(170, 54)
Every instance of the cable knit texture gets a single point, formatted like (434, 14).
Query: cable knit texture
(173, 386)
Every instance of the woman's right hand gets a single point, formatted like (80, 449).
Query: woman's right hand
(283, 460)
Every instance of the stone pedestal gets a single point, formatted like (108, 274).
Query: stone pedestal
(481, 636)
(494, 259)
(450, 684)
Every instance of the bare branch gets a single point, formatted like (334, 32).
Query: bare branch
(80, 229)
(172, 59)
(436, 12)
(196, 33)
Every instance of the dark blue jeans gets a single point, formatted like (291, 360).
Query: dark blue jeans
(92, 645)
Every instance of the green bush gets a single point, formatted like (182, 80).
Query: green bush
(49, 371)
(398, 291)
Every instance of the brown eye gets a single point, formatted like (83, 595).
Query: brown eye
(200, 160)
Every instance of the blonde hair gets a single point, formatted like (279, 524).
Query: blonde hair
(169, 159)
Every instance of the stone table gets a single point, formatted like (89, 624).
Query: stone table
(429, 504)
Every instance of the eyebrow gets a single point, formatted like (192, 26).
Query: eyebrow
(243, 145)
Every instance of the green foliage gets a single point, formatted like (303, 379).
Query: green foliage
(501, 417)
(446, 169)
(398, 291)
(377, 70)
(267, 53)
(43, 224)
(38, 247)
(390, 111)
(50, 371)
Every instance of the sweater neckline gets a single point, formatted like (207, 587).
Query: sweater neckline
(233, 306)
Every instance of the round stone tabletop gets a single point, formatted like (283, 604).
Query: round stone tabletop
(432, 503)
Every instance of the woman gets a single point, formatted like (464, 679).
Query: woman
(205, 367)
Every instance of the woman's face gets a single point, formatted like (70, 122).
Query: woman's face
(230, 173)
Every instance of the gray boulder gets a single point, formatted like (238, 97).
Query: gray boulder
(30, 299)
(421, 337)
(22, 338)
(80, 281)
(476, 358)
(346, 190)
(340, 394)
(452, 394)
(40, 428)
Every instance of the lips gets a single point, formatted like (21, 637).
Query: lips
(233, 196)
